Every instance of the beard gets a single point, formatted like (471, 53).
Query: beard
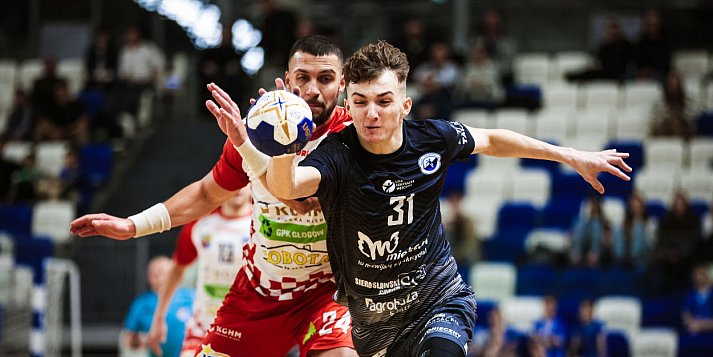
(322, 117)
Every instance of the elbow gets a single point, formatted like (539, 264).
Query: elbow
(282, 192)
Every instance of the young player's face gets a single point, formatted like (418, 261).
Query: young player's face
(377, 108)
(320, 81)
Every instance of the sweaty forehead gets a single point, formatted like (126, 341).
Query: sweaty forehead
(385, 82)
(306, 62)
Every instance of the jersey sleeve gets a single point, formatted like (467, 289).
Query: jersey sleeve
(228, 171)
(132, 322)
(326, 160)
(185, 252)
(459, 142)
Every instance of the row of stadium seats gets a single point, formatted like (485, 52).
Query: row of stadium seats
(50, 219)
(597, 125)
(540, 68)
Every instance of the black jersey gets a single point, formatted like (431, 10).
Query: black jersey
(386, 243)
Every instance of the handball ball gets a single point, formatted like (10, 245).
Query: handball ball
(279, 123)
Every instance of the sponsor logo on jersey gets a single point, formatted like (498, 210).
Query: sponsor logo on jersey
(391, 186)
(294, 257)
(460, 131)
(376, 249)
(392, 306)
(409, 279)
(205, 240)
(429, 163)
(292, 233)
(208, 351)
(388, 186)
(225, 332)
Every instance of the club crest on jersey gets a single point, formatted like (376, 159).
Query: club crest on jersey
(429, 163)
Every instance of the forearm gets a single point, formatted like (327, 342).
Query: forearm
(175, 276)
(287, 181)
(196, 200)
(506, 143)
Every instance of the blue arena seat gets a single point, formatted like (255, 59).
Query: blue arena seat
(32, 251)
(552, 167)
(655, 209)
(518, 215)
(537, 279)
(571, 186)
(560, 213)
(662, 311)
(455, 176)
(704, 124)
(16, 218)
(581, 282)
(506, 245)
(484, 308)
(620, 281)
(96, 162)
(568, 310)
(617, 344)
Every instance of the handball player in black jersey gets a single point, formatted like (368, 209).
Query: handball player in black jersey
(379, 182)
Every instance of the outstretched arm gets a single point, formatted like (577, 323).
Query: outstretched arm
(188, 204)
(157, 333)
(506, 143)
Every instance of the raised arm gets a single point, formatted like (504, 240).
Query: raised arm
(158, 330)
(506, 143)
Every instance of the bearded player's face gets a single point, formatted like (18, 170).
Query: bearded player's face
(320, 81)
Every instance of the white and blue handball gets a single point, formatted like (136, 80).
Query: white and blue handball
(279, 123)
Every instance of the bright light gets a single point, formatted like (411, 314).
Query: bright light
(245, 36)
(207, 30)
(253, 60)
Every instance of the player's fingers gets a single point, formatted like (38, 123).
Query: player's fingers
(226, 99)
(252, 101)
(85, 232)
(279, 83)
(618, 161)
(616, 172)
(222, 102)
(212, 108)
(261, 91)
(595, 184)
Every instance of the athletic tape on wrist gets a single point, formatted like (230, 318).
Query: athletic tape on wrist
(154, 219)
(256, 160)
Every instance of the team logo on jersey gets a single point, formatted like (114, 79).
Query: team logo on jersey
(371, 249)
(388, 186)
(429, 163)
(205, 240)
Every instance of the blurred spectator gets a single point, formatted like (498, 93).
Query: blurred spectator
(697, 315)
(43, 87)
(23, 187)
(588, 338)
(140, 61)
(101, 59)
(279, 31)
(138, 320)
(613, 56)
(549, 334)
(434, 101)
(652, 54)
(498, 341)
(460, 232)
(678, 233)
(633, 240)
(20, 121)
(674, 115)
(440, 67)
(414, 43)
(221, 65)
(591, 236)
(63, 118)
(305, 28)
(7, 170)
(500, 48)
(479, 85)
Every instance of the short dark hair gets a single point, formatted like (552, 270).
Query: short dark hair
(372, 59)
(317, 45)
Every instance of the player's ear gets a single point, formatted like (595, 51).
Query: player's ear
(342, 84)
(408, 103)
(288, 85)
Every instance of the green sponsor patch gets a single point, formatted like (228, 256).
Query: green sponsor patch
(216, 291)
(293, 233)
(310, 332)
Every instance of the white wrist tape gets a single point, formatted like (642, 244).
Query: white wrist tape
(154, 219)
(257, 161)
